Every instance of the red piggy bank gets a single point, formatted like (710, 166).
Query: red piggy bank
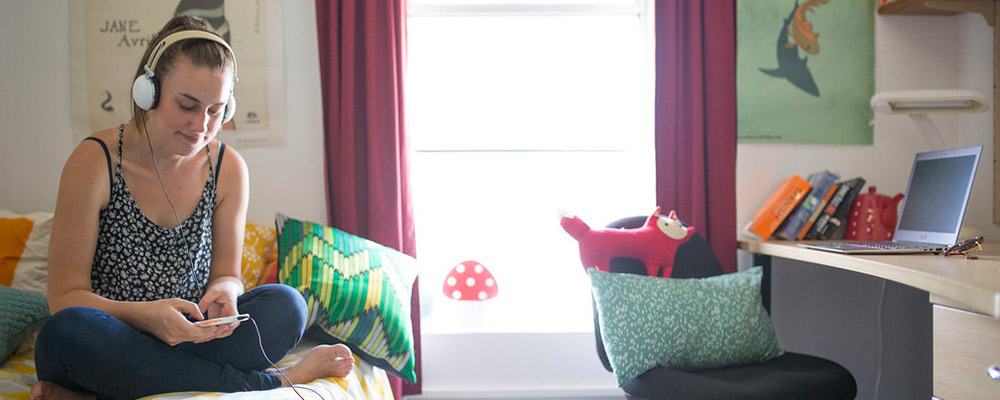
(873, 216)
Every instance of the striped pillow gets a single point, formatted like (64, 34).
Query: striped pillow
(357, 291)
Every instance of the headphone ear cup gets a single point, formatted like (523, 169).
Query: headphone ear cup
(146, 92)
(230, 110)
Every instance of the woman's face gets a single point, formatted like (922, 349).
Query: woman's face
(192, 105)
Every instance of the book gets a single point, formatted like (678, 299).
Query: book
(827, 223)
(819, 210)
(820, 182)
(777, 207)
(828, 211)
(839, 220)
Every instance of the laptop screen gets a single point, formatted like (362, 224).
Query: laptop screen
(937, 195)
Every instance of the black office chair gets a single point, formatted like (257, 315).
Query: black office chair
(790, 376)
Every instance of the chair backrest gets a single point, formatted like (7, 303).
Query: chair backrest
(694, 259)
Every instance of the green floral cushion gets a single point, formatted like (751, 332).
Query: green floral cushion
(357, 291)
(21, 315)
(649, 322)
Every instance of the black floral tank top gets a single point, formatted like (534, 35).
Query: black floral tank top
(138, 260)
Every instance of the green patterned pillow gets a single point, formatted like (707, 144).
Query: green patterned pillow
(357, 291)
(21, 315)
(649, 322)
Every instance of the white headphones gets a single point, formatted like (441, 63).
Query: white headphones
(146, 88)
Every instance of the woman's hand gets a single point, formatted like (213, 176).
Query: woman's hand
(166, 320)
(220, 301)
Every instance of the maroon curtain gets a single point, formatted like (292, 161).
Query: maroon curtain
(696, 118)
(362, 54)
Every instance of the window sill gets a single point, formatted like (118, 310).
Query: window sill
(514, 366)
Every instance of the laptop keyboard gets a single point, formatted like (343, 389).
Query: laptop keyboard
(891, 245)
(884, 245)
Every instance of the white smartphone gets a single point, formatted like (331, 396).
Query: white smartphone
(223, 320)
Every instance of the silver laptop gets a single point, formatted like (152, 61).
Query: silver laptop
(933, 207)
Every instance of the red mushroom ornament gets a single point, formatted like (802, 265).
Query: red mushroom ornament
(470, 281)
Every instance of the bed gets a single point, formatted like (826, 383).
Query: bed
(359, 297)
(366, 382)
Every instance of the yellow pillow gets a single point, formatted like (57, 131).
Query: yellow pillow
(24, 250)
(13, 237)
(259, 242)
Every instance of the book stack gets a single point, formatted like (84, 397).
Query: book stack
(792, 226)
(815, 208)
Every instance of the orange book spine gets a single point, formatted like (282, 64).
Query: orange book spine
(778, 205)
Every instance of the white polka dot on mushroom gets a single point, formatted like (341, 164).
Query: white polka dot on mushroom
(479, 268)
(456, 295)
(452, 281)
(470, 282)
(482, 295)
(489, 282)
(460, 268)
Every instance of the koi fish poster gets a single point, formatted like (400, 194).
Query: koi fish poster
(108, 39)
(805, 71)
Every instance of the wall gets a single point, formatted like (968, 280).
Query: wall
(35, 136)
(881, 333)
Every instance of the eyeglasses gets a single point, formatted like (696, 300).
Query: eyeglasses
(963, 247)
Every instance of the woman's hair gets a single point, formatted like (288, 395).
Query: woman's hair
(200, 52)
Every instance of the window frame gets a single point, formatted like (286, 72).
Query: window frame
(586, 378)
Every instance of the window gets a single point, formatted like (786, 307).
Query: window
(518, 111)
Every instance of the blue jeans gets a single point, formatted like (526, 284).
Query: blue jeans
(89, 351)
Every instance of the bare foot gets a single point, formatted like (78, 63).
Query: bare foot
(323, 361)
(49, 390)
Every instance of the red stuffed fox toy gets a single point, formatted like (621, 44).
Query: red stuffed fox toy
(655, 243)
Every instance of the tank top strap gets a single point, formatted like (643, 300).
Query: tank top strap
(121, 134)
(211, 171)
(107, 156)
(218, 162)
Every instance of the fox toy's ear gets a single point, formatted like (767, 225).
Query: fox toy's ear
(672, 215)
(654, 218)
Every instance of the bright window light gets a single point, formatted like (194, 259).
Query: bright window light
(515, 118)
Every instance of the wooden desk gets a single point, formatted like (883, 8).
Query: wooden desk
(966, 304)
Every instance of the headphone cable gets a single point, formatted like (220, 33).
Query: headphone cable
(290, 384)
(163, 187)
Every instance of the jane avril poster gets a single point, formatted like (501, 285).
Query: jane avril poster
(108, 38)
(805, 71)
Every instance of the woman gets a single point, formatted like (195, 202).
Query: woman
(147, 238)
